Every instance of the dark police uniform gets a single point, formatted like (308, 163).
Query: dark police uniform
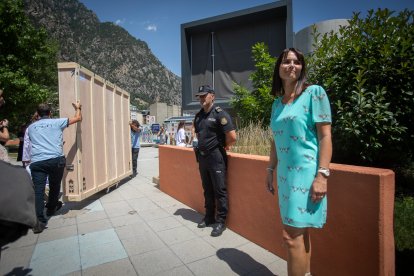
(210, 128)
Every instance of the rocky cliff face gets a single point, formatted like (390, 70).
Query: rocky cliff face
(106, 49)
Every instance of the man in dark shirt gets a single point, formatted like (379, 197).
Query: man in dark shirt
(216, 134)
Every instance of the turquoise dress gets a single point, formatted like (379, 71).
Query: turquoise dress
(296, 143)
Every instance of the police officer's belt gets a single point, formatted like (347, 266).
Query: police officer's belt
(207, 152)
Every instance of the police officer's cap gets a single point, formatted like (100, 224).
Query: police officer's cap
(203, 90)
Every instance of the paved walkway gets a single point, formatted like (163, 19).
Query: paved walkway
(134, 229)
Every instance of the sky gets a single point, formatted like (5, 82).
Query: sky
(158, 22)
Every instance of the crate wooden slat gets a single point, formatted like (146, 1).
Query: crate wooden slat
(98, 149)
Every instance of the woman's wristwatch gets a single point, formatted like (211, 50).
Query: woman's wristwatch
(324, 171)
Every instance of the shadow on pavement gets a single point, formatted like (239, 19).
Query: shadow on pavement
(239, 262)
(19, 271)
(79, 205)
(189, 214)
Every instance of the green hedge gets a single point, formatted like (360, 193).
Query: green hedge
(404, 223)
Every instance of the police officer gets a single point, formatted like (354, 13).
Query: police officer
(215, 133)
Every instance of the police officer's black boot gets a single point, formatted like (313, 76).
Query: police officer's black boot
(218, 229)
(205, 222)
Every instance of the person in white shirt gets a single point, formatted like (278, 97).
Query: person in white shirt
(180, 135)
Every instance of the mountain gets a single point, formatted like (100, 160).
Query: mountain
(106, 49)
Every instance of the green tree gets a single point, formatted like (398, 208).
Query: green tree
(256, 105)
(28, 70)
(368, 70)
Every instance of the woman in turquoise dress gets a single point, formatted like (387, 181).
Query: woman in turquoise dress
(300, 155)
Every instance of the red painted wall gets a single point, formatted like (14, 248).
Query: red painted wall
(358, 238)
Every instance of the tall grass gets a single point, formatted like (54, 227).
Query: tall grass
(253, 139)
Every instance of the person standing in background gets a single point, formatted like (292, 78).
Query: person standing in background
(180, 135)
(161, 135)
(193, 138)
(4, 133)
(20, 135)
(135, 144)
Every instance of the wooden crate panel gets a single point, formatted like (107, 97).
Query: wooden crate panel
(110, 134)
(99, 138)
(67, 83)
(125, 125)
(98, 148)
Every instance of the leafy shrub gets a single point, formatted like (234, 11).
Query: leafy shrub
(368, 70)
(404, 223)
(256, 105)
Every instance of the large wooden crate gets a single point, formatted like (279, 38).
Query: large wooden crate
(98, 149)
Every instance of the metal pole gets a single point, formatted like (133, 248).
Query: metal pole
(212, 57)
(191, 67)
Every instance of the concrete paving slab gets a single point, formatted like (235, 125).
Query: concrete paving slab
(100, 247)
(16, 260)
(136, 229)
(62, 247)
(101, 253)
(164, 224)
(56, 257)
(121, 267)
(155, 262)
(74, 273)
(260, 254)
(58, 233)
(131, 194)
(129, 219)
(142, 243)
(176, 235)
(142, 204)
(60, 221)
(112, 196)
(153, 214)
(163, 200)
(95, 206)
(226, 240)
(99, 237)
(56, 265)
(93, 226)
(115, 209)
(181, 271)
(193, 250)
(91, 216)
(213, 266)
(148, 189)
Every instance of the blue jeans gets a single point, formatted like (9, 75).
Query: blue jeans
(52, 168)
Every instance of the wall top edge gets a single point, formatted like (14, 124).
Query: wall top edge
(333, 166)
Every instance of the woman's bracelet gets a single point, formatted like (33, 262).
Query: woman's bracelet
(270, 169)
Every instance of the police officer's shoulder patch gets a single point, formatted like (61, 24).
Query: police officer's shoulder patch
(218, 109)
(223, 121)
